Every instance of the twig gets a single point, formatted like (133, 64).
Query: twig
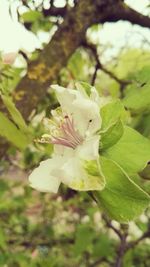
(95, 74)
(98, 66)
(122, 247)
(55, 11)
(132, 244)
(109, 225)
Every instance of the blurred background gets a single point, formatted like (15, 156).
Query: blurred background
(65, 229)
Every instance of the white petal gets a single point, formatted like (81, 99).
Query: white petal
(86, 115)
(42, 178)
(63, 151)
(65, 97)
(81, 89)
(89, 149)
(85, 111)
(77, 178)
(71, 169)
(94, 96)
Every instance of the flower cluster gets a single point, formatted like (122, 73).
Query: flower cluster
(74, 131)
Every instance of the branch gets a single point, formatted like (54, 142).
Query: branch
(99, 65)
(109, 225)
(55, 11)
(133, 244)
(123, 12)
(122, 247)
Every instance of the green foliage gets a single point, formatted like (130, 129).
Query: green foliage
(83, 239)
(31, 16)
(37, 21)
(132, 152)
(121, 198)
(104, 246)
(79, 66)
(15, 114)
(12, 133)
(137, 97)
(112, 135)
(112, 129)
(111, 113)
(129, 62)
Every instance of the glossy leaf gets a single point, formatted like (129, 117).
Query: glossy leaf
(112, 135)
(138, 97)
(111, 113)
(132, 152)
(121, 198)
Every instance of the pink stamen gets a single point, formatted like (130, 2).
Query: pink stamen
(70, 136)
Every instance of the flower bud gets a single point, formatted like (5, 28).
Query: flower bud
(9, 58)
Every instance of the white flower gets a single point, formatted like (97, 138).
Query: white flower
(74, 133)
(9, 58)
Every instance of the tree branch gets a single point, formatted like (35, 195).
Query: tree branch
(137, 241)
(55, 11)
(122, 247)
(98, 66)
(109, 225)
(123, 12)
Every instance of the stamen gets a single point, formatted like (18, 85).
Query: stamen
(63, 132)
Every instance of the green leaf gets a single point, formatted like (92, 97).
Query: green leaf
(103, 246)
(132, 152)
(3, 187)
(111, 113)
(31, 16)
(121, 198)
(15, 114)
(138, 98)
(84, 235)
(111, 136)
(79, 66)
(142, 76)
(11, 133)
(3, 242)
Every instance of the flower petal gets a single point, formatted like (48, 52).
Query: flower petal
(86, 115)
(75, 176)
(94, 96)
(42, 178)
(85, 111)
(65, 97)
(88, 150)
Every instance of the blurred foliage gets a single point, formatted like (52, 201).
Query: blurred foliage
(39, 229)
